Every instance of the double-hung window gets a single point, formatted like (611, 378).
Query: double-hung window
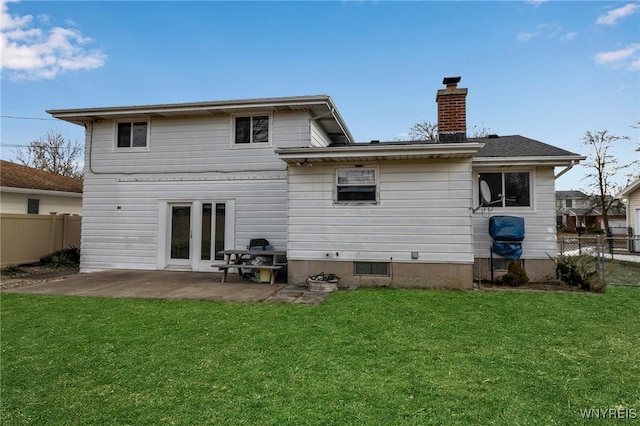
(251, 130)
(358, 185)
(507, 189)
(132, 134)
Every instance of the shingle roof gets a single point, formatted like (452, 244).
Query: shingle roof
(18, 176)
(571, 194)
(517, 146)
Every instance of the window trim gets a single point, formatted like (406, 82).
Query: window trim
(354, 202)
(131, 121)
(251, 144)
(532, 180)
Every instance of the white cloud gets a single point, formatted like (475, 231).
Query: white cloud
(612, 17)
(553, 31)
(524, 37)
(42, 53)
(536, 3)
(623, 58)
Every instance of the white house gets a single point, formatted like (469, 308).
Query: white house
(632, 196)
(26, 190)
(168, 186)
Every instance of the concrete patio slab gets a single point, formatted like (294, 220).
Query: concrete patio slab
(169, 285)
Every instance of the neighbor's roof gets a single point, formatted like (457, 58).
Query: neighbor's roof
(571, 194)
(14, 175)
(321, 107)
(630, 188)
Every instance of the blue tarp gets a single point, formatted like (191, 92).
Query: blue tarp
(506, 228)
(507, 233)
(510, 250)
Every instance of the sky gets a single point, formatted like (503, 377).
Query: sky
(547, 70)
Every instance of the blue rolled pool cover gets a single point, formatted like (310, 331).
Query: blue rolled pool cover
(506, 228)
(510, 250)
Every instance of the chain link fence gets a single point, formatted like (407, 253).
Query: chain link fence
(600, 259)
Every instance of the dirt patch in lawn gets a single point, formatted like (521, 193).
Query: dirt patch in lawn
(544, 286)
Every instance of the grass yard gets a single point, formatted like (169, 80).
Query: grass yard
(371, 356)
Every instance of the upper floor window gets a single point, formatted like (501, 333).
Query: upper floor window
(254, 129)
(569, 203)
(506, 189)
(132, 134)
(356, 185)
(33, 206)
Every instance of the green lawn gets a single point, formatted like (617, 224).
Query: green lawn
(371, 356)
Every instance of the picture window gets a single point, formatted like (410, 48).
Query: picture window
(508, 189)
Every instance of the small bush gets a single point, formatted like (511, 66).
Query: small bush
(62, 258)
(515, 276)
(61, 261)
(12, 270)
(580, 271)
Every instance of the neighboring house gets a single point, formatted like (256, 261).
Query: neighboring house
(632, 196)
(577, 210)
(33, 191)
(168, 186)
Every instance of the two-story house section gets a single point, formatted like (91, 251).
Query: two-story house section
(169, 186)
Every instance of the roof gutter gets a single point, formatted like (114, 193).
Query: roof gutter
(565, 170)
(568, 161)
(33, 191)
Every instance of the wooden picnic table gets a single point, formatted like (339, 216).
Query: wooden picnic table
(237, 259)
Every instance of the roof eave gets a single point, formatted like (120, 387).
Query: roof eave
(629, 189)
(380, 152)
(554, 161)
(33, 191)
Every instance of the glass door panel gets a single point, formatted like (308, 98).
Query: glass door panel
(205, 243)
(220, 224)
(180, 232)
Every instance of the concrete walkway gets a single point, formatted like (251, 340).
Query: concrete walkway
(168, 285)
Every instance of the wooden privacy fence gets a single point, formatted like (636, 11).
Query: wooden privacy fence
(25, 238)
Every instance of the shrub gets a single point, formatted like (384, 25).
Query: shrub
(580, 271)
(12, 270)
(62, 258)
(515, 276)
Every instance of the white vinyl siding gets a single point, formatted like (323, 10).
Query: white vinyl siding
(633, 207)
(423, 207)
(318, 136)
(189, 159)
(539, 220)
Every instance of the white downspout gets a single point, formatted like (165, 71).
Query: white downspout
(565, 170)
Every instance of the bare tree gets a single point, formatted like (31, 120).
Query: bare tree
(426, 130)
(51, 152)
(603, 169)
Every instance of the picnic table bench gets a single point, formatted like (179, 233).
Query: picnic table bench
(237, 259)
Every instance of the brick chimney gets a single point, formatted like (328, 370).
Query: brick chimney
(452, 111)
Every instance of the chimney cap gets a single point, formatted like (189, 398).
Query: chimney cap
(451, 81)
